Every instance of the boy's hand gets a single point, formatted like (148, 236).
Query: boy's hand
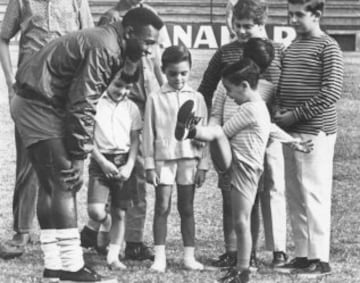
(124, 173)
(198, 144)
(74, 177)
(302, 146)
(284, 119)
(110, 170)
(152, 178)
(200, 177)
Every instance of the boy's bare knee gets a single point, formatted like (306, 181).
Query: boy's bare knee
(96, 212)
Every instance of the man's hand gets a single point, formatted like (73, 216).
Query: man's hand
(284, 119)
(74, 177)
(200, 177)
(152, 178)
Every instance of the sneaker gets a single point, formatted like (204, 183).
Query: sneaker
(296, 263)
(8, 251)
(253, 262)
(51, 276)
(138, 251)
(185, 120)
(279, 258)
(314, 270)
(85, 274)
(227, 259)
(88, 238)
(235, 276)
(19, 240)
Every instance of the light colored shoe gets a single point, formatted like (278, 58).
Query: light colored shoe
(193, 264)
(117, 265)
(158, 267)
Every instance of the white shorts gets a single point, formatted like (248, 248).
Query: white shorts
(180, 171)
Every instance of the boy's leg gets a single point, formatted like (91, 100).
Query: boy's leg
(136, 215)
(273, 202)
(161, 212)
(185, 179)
(255, 230)
(117, 233)
(316, 174)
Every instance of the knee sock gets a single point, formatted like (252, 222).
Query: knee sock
(189, 259)
(50, 249)
(160, 259)
(70, 250)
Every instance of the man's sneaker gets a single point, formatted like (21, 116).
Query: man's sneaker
(227, 259)
(85, 274)
(279, 258)
(185, 120)
(138, 251)
(235, 276)
(88, 238)
(51, 276)
(314, 270)
(295, 264)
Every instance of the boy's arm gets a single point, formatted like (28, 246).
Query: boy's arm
(211, 78)
(218, 106)
(148, 135)
(86, 20)
(110, 170)
(204, 160)
(331, 85)
(242, 119)
(125, 170)
(10, 26)
(229, 17)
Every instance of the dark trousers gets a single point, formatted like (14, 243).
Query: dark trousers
(25, 191)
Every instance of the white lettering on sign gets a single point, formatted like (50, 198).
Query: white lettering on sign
(285, 35)
(180, 35)
(205, 36)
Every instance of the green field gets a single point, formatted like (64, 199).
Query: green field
(345, 243)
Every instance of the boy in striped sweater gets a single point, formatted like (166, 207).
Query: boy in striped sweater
(239, 148)
(310, 85)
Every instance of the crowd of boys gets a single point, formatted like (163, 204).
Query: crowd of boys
(102, 92)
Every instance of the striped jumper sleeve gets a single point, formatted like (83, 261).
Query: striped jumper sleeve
(311, 83)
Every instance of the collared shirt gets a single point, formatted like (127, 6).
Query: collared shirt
(114, 122)
(71, 73)
(159, 126)
(41, 21)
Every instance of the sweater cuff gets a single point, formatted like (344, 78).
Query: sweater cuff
(149, 163)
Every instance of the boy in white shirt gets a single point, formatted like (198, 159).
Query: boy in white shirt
(116, 135)
(168, 161)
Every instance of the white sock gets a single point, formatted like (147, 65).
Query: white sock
(160, 259)
(113, 253)
(70, 250)
(189, 259)
(50, 249)
(105, 226)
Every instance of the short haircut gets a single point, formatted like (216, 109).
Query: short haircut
(261, 51)
(140, 17)
(175, 54)
(311, 5)
(255, 10)
(243, 70)
(130, 78)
